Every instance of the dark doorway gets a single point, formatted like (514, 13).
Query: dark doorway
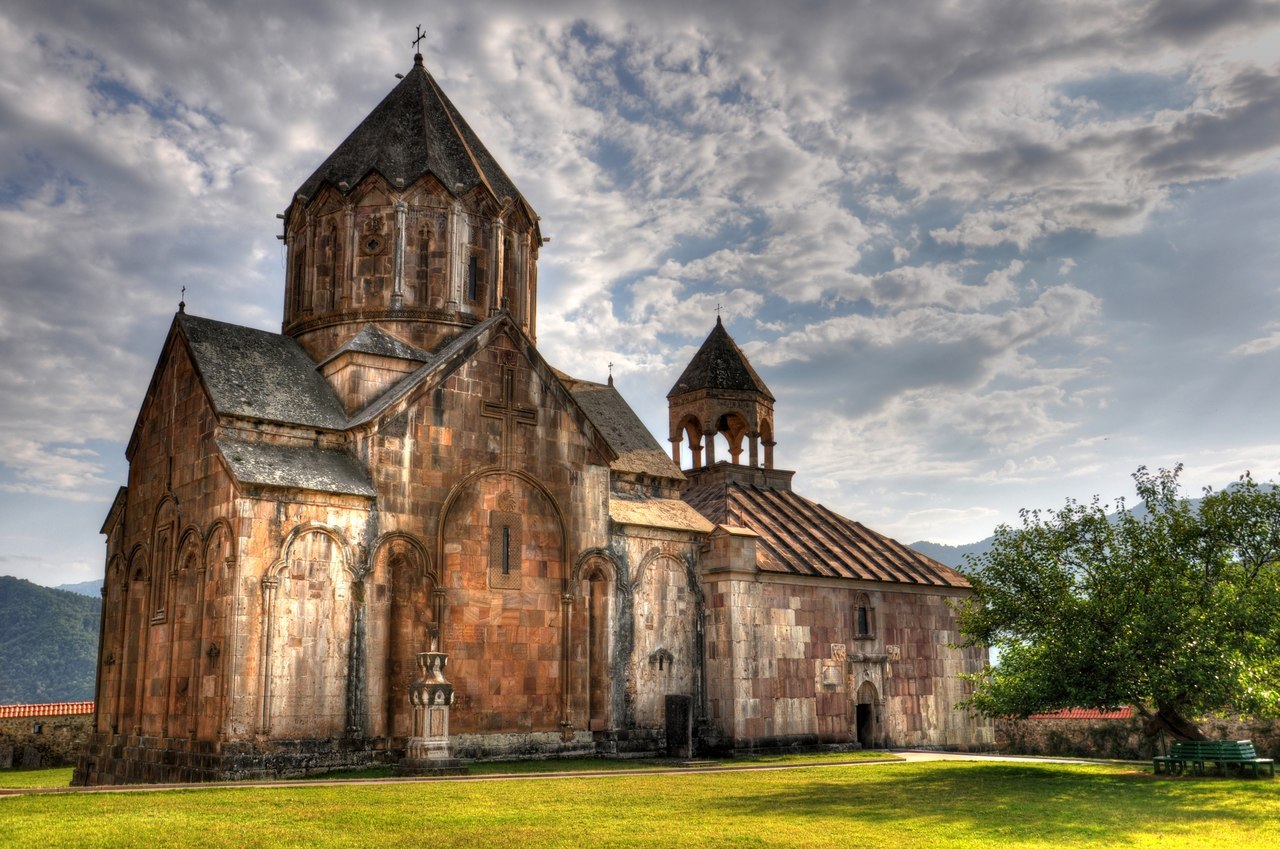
(864, 724)
(679, 722)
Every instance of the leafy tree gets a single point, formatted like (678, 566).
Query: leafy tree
(1174, 609)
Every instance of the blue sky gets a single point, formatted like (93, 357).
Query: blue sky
(987, 255)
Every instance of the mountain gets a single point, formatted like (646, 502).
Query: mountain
(952, 555)
(93, 588)
(48, 643)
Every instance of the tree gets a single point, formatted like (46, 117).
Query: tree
(1174, 608)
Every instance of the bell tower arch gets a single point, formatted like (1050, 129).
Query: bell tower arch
(720, 398)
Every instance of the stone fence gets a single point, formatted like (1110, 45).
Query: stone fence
(33, 736)
(1116, 734)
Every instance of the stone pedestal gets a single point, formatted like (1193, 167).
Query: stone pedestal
(431, 696)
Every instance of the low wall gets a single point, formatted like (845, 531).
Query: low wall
(1120, 739)
(33, 736)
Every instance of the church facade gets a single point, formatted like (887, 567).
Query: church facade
(399, 470)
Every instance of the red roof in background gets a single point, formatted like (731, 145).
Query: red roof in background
(1086, 713)
(51, 709)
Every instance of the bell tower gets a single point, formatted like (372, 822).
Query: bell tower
(410, 226)
(720, 394)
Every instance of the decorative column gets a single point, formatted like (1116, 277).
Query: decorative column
(427, 752)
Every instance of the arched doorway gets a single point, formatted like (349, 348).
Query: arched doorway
(865, 716)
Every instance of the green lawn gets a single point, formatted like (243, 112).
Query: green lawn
(938, 804)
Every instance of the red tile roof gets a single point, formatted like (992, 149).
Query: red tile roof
(801, 537)
(1087, 713)
(51, 709)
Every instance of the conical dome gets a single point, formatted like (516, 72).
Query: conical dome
(410, 225)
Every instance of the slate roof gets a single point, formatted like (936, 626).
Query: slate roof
(719, 364)
(635, 446)
(414, 131)
(374, 340)
(260, 375)
(297, 467)
(801, 537)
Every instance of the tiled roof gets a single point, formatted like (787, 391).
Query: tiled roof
(800, 537)
(260, 375)
(1087, 713)
(719, 364)
(414, 131)
(635, 446)
(50, 709)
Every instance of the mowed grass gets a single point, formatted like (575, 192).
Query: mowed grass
(932, 804)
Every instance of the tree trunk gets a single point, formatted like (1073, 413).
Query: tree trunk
(1171, 720)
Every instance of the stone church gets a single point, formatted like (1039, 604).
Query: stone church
(400, 471)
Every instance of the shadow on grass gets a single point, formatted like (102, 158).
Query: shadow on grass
(1009, 802)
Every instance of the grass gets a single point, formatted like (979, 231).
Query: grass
(59, 776)
(933, 804)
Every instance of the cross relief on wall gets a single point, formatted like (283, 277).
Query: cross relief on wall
(509, 413)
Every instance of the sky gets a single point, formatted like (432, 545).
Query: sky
(987, 254)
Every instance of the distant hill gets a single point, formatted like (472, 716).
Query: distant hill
(48, 643)
(85, 588)
(952, 555)
(93, 588)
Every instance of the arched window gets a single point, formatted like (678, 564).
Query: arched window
(864, 618)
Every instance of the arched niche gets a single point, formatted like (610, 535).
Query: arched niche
(596, 575)
(307, 636)
(501, 548)
(402, 599)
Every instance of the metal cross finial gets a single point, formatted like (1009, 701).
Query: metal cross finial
(718, 308)
(182, 303)
(418, 40)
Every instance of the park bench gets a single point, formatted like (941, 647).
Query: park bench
(1223, 753)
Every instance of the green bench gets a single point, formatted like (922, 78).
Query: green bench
(1223, 753)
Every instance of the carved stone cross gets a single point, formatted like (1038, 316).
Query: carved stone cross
(509, 413)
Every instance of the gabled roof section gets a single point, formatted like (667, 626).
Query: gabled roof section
(467, 344)
(373, 340)
(260, 375)
(800, 537)
(719, 364)
(635, 446)
(295, 467)
(415, 131)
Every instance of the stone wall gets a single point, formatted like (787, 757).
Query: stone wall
(37, 741)
(787, 665)
(1119, 739)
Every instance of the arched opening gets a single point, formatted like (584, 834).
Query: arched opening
(864, 618)
(732, 428)
(865, 720)
(766, 439)
(689, 430)
(212, 652)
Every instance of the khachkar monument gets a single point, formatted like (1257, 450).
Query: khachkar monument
(316, 521)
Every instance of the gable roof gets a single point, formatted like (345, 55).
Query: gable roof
(800, 537)
(256, 374)
(719, 364)
(635, 446)
(374, 340)
(413, 132)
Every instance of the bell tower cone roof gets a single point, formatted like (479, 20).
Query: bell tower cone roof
(415, 131)
(719, 364)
